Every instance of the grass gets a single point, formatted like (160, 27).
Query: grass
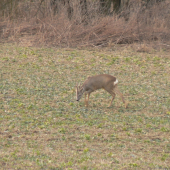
(43, 127)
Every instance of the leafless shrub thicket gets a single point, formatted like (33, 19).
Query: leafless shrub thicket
(35, 22)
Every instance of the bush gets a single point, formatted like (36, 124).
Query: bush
(35, 23)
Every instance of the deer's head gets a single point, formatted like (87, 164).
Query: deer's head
(79, 92)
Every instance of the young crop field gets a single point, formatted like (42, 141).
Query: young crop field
(42, 126)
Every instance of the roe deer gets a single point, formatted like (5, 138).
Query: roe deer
(102, 81)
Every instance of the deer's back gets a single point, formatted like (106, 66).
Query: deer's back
(99, 81)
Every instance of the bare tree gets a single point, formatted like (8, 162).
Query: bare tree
(105, 6)
(84, 12)
(55, 4)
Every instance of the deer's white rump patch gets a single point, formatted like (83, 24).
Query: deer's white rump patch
(116, 82)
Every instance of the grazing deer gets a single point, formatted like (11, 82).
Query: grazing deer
(102, 81)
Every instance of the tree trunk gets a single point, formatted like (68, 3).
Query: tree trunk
(84, 13)
(105, 6)
(56, 6)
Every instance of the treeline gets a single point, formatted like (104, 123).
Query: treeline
(17, 8)
(84, 22)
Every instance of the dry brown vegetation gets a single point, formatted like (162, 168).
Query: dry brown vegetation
(34, 23)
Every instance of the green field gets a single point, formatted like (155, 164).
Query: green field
(43, 127)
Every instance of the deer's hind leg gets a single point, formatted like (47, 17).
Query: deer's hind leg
(85, 99)
(116, 89)
(113, 97)
(110, 91)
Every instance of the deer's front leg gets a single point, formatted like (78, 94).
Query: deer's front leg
(88, 95)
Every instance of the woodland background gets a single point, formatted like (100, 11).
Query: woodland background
(72, 23)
